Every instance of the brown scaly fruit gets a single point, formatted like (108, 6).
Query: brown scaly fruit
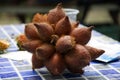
(63, 27)
(37, 62)
(55, 64)
(94, 52)
(31, 46)
(65, 43)
(31, 31)
(78, 57)
(82, 35)
(58, 51)
(56, 14)
(45, 31)
(38, 18)
(45, 51)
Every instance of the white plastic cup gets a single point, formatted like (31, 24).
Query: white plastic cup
(71, 13)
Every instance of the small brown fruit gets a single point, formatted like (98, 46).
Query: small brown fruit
(94, 52)
(31, 31)
(63, 27)
(58, 43)
(45, 51)
(55, 14)
(82, 35)
(36, 62)
(55, 64)
(31, 46)
(45, 31)
(78, 57)
(65, 43)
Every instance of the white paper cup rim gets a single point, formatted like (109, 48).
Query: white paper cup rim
(71, 11)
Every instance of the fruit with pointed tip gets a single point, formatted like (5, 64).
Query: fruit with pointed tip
(45, 31)
(63, 27)
(82, 35)
(37, 62)
(45, 51)
(65, 43)
(56, 14)
(31, 31)
(31, 46)
(55, 64)
(94, 52)
(78, 57)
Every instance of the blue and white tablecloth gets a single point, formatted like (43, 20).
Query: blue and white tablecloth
(21, 70)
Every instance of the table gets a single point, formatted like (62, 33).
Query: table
(21, 70)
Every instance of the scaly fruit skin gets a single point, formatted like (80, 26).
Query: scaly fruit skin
(45, 31)
(63, 26)
(65, 43)
(94, 52)
(31, 31)
(31, 46)
(56, 14)
(37, 62)
(78, 57)
(55, 64)
(45, 51)
(82, 35)
(59, 44)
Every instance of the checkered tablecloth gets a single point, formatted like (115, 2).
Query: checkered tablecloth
(21, 70)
